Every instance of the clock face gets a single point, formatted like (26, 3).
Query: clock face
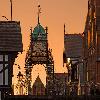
(39, 49)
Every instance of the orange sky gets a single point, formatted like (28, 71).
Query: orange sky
(54, 14)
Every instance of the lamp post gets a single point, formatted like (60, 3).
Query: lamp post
(21, 81)
(11, 9)
(20, 77)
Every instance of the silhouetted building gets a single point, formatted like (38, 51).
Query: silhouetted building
(10, 45)
(92, 43)
(73, 58)
(73, 45)
(38, 87)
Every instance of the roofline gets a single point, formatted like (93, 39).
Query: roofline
(10, 22)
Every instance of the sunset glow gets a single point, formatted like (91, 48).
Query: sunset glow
(54, 14)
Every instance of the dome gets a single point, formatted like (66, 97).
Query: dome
(38, 30)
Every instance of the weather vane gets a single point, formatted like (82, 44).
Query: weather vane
(39, 11)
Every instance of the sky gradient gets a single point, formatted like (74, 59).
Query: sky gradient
(54, 14)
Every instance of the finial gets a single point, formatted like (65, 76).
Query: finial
(31, 29)
(46, 29)
(31, 33)
(39, 11)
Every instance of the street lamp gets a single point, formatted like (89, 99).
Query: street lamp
(20, 83)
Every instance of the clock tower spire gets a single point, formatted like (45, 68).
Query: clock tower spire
(39, 11)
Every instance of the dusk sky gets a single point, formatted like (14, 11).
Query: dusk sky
(54, 14)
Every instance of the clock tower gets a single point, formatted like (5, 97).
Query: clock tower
(39, 44)
(39, 53)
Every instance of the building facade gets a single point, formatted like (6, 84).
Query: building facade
(60, 83)
(73, 58)
(92, 43)
(10, 45)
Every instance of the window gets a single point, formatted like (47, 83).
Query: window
(1, 74)
(6, 75)
(1, 57)
(0, 95)
(6, 57)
